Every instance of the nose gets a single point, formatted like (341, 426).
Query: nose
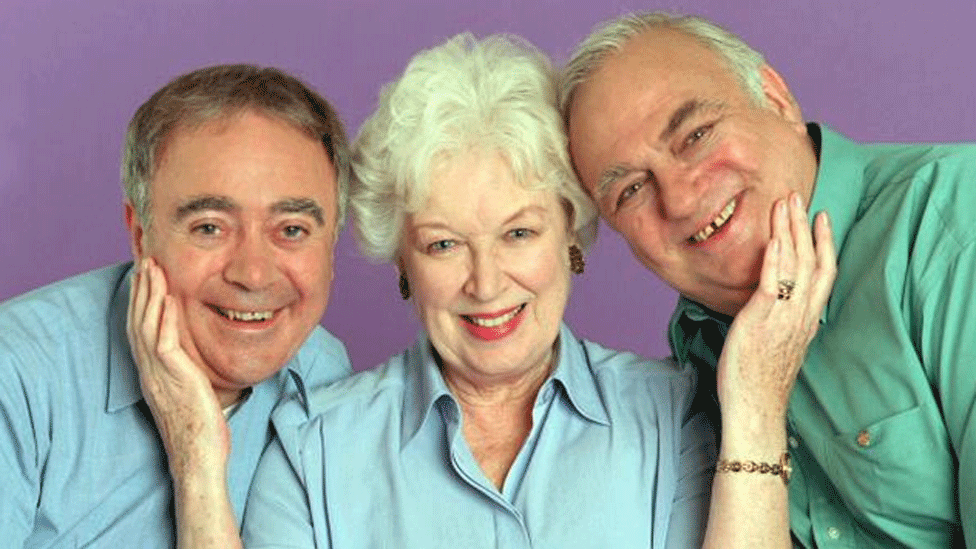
(251, 265)
(486, 275)
(679, 193)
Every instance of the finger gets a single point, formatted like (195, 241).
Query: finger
(168, 331)
(802, 240)
(133, 298)
(826, 257)
(138, 299)
(782, 234)
(156, 290)
(770, 272)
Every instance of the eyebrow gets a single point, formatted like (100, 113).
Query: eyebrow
(203, 203)
(525, 210)
(220, 203)
(305, 206)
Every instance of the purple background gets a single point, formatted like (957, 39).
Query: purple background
(72, 72)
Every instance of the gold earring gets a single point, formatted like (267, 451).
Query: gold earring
(576, 262)
(404, 287)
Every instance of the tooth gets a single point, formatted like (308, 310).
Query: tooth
(498, 321)
(247, 316)
(717, 223)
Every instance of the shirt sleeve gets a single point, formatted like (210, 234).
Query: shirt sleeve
(696, 467)
(948, 345)
(277, 515)
(19, 451)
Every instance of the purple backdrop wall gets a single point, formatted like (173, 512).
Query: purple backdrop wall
(72, 73)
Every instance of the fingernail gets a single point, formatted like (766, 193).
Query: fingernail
(797, 201)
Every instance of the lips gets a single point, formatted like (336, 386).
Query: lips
(494, 326)
(716, 224)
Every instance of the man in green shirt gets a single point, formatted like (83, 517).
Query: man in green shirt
(687, 141)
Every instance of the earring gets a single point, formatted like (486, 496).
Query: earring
(404, 287)
(576, 263)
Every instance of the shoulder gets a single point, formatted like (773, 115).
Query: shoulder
(322, 359)
(630, 380)
(352, 400)
(632, 367)
(64, 318)
(940, 176)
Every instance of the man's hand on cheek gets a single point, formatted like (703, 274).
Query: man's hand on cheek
(181, 398)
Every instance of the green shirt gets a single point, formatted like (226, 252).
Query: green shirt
(882, 422)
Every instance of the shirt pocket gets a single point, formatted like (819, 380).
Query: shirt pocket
(900, 466)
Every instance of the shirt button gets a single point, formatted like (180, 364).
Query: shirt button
(793, 442)
(833, 533)
(864, 439)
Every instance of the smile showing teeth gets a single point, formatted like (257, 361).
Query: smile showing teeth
(246, 316)
(496, 321)
(716, 223)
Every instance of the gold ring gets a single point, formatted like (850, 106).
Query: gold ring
(785, 289)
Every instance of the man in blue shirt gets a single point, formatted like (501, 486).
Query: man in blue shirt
(236, 181)
(688, 141)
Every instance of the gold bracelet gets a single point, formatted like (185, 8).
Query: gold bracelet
(783, 469)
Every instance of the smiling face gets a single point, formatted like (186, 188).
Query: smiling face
(243, 225)
(488, 265)
(685, 165)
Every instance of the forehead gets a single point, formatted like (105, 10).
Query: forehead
(632, 94)
(247, 156)
(481, 188)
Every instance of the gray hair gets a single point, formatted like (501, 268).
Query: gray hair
(610, 37)
(497, 94)
(209, 93)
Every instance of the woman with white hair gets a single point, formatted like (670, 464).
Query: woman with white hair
(499, 427)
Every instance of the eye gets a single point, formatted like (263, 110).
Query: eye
(520, 233)
(206, 229)
(629, 191)
(697, 135)
(440, 246)
(294, 232)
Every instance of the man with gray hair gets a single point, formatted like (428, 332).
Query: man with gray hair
(691, 144)
(236, 179)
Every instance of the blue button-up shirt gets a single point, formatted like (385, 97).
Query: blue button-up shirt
(81, 463)
(614, 459)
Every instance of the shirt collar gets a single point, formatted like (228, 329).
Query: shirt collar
(123, 378)
(574, 373)
(425, 387)
(840, 185)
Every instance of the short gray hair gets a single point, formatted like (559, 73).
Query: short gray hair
(610, 37)
(209, 93)
(499, 94)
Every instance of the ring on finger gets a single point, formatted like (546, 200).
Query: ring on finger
(785, 288)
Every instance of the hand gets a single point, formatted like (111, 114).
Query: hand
(768, 340)
(182, 400)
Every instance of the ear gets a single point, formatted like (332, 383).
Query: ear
(779, 98)
(137, 234)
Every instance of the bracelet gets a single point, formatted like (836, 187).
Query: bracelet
(783, 469)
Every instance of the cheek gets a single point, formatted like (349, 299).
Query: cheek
(311, 272)
(434, 287)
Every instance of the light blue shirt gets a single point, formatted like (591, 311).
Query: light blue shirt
(81, 463)
(615, 459)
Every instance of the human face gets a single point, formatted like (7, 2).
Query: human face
(488, 265)
(686, 165)
(243, 226)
